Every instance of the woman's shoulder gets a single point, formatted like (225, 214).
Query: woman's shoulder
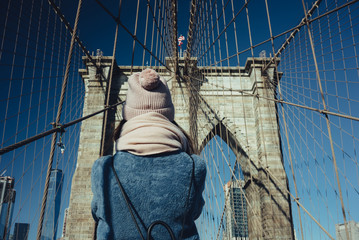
(104, 160)
(100, 165)
(199, 161)
(200, 168)
(123, 158)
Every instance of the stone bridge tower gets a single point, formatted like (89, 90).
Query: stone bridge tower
(225, 101)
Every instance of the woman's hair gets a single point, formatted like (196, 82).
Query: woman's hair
(190, 148)
(117, 132)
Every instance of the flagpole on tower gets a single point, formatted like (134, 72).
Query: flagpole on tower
(180, 39)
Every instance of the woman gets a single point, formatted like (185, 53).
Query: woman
(158, 178)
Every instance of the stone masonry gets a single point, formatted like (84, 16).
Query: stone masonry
(213, 101)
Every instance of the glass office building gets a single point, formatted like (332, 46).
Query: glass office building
(21, 231)
(7, 201)
(353, 231)
(236, 211)
(53, 202)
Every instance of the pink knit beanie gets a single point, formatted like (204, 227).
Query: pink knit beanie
(147, 92)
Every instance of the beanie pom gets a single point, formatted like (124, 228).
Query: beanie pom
(149, 79)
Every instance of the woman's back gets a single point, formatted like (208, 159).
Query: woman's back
(157, 186)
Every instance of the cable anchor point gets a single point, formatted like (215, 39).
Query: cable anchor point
(61, 129)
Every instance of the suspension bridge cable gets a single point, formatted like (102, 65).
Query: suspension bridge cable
(134, 33)
(57, 128)
(313, 154)
(295, 199)
(192, 87)
(70, 29)
(57, 121)
(117, 20)
(146, 29)
(328, 125)
(245, 92)
(29, 124)
(286, 42)
(285, 123)
(304, 209)
(108, 87)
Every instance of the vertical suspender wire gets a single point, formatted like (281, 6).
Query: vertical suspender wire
(285, 122)
(35, 62)
(9, 91)
(161, 12)
(357, 67)
(162, 24)
(214, 61)
(297, 201)
(214, 140)
(169, 31)
(236, 161)
(1, 51)
(190, 35)
(23, 77)
(223, 90)
(58, 116)
(331, 51)
(191, 107)
(28, 115)
(174, 37)
(162, 42)
(220, 133)
(217, 93)
(157, 32)
(134, 42)
(43, 162)
(7, 229)
(261, 124)
(11, 80)
(347, 91)
(153, 30)
(145, 40)
(243, 108)
(5, 27)
(294, 32)
(109, 85)
(200, 34)
(225, 26)
(327, 121)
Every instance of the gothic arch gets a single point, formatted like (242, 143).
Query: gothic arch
(227, 134)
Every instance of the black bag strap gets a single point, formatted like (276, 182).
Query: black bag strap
(158, 222)
(168, 228)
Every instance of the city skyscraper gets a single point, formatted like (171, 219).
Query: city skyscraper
(236, 211)
(64, 224)
(7, 201)
(21, 231)
(353, 230)
(53, 202)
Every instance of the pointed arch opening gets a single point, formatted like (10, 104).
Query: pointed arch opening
(225, 194)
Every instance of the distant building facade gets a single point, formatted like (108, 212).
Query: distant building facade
(7, 201)
(236, 212)
(21, 231)
(353, 229)
(64, 224)
(53, 202)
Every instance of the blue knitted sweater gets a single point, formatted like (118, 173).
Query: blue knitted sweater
(157, 187)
